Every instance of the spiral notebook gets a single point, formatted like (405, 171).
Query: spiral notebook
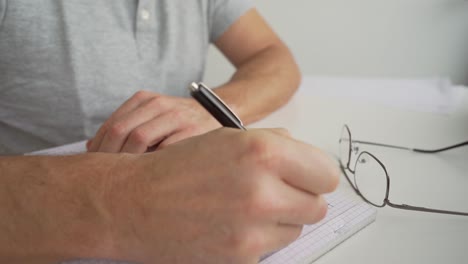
(345, 217)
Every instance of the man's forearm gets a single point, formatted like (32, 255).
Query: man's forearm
(51, 209)
(262, 84)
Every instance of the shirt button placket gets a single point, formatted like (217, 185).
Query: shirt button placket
(143, 17)
(145, 14)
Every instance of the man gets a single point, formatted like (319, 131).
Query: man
(223, 197)
(65, 66)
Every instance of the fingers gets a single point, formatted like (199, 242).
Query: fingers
(131, 104)
(274, 201)
(151, 133)
(305, 167)
(141, 127)
(88, 144)
(148, 119)
(300, 173)
(126, 127)
(296, 163)
(299, 207)
(176, 137)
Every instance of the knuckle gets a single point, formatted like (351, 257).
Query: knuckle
(158, 102)
(259, 204)
(254, 244)
(246, 243)
(262, 152)
(193, 130)
(117, 130)
(258, 145)
(141, 95)
(105, 127)
(253, 208)
(177, 114)
(139, 136)
(315, 209)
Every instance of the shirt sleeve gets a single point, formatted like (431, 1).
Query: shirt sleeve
(223, 13)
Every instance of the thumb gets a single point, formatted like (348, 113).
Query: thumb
(88, 144)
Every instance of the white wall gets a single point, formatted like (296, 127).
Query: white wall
(368, 38)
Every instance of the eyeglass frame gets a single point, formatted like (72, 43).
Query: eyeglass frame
(386, 200)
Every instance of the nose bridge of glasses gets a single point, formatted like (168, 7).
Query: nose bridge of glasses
(355, 151)
(355, 148)
(358, 156)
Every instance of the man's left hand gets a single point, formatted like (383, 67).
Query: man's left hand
(148, 121)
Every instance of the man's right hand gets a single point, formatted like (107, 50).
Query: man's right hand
(224, 197)
(227, 196)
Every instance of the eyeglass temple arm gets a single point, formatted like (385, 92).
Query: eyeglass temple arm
(411, 149)
(423, 209)
(442, 149)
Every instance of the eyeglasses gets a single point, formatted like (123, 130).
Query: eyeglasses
(370, 178)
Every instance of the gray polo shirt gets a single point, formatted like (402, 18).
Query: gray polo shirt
(65, 66)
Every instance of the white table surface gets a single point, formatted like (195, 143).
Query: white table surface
(429, 180)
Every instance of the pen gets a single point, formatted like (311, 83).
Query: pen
(215, 106)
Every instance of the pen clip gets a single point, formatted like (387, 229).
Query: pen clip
(195, 87)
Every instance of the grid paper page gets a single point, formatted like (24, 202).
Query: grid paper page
(344, 218)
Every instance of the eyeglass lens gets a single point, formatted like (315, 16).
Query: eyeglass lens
(369, 176)
(370, 179)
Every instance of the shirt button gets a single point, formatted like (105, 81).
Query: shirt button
(145, 14)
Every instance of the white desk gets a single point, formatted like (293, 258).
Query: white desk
(430, 180)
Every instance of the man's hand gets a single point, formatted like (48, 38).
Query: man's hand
(227, 196)
(223, 197)
(147, 120)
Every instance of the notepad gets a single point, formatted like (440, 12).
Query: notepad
(69, 149)
(344, 218)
